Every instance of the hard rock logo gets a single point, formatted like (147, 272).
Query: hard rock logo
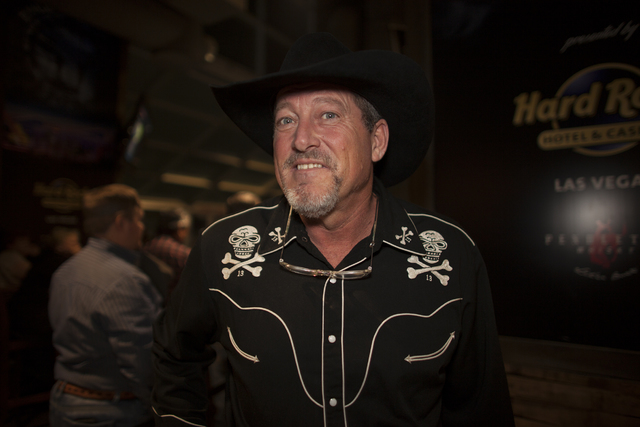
(595, 112)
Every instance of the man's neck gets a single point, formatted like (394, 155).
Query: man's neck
(339, 231)
(113, 237)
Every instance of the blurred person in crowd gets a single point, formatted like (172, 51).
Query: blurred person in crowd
(28, 312)
(169, 245)
(28, 307)
(16, 260)
(240, 201)
(101, 309)
(337, 304)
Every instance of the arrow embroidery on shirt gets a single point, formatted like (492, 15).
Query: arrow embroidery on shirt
(254, 359)
(424, 357)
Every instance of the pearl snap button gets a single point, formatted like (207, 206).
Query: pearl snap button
(332, 339)
(333, 402)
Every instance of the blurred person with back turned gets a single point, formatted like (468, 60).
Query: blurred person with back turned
(337, 304)
(16, 256)
(240, 201)
(169, 245)
(101, 309)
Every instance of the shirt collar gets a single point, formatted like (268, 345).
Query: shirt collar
(395, 227)
(272, 237)
(132, 257)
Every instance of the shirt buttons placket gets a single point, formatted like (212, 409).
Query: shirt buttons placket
(332, 352)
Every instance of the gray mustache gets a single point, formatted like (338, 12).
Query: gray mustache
(323, 158)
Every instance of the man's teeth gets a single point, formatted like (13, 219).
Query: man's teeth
(309, 166)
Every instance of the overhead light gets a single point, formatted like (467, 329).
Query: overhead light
(189, 181)
(160, 204)
(260, 166)
(211, 49)
(233, 187)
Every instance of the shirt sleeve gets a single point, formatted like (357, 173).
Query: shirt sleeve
(182, 351)
(476, 391)
(127, 312)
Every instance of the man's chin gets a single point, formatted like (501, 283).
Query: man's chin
(312, 206)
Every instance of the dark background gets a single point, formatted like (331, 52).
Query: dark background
(492, 177)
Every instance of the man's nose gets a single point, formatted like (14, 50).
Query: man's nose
(305, 136)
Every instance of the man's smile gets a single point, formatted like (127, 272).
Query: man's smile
(309, 166)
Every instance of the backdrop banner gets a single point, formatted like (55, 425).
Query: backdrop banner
(537, 156)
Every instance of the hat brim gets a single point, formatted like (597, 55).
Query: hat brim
(394, 84)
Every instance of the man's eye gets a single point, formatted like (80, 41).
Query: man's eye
(285, 121)
(329, 115)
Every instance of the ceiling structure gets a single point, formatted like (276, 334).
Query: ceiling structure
(191, 154)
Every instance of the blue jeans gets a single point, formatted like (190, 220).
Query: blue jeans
(67, 410)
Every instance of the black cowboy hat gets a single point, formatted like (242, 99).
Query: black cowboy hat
(394, 84)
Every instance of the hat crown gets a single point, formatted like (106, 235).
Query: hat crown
(311, 49)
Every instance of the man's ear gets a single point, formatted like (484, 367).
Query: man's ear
(118, 222)
(379, 140)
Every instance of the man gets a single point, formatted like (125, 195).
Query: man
(337, 305)
(168, 246)
(101, 310)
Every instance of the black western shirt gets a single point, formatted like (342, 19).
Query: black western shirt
(413, 344)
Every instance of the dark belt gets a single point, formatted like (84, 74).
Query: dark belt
(94, 394)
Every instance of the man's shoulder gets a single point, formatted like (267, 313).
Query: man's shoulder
(257, 217)
(427, 221)
(96, 262)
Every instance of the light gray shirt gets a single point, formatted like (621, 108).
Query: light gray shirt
(101, 309)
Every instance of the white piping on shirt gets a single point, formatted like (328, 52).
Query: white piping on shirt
(404, 249)
(293, 347)
(324, 291)
(324, 402)
(344, 380)
(177, 418)
(442, 221)
(424, 316)
(236, 214)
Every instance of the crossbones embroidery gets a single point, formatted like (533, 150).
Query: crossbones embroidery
(255, 271)
(405, 238)
(244, 241)
(434, 244)
(275, 235)
(413, 273)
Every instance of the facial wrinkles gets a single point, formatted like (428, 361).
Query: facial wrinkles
(308, 199)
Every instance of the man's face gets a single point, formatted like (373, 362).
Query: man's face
(322, 150)
(133, 229)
